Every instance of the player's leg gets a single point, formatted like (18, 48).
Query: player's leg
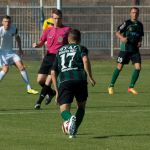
(81, 94)
(50, 92)
(135, 75)
(80, 113)
(121, 60)
(23, 72)
(136, 59)
(44, 80)
(116, 74)
(65, 98)
(46, 89)
(65, 111)
(114, 78)
(43, 71)
(3, 71)
(41, 78)
(3, 64)
(66, 115)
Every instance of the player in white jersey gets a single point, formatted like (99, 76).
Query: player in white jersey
(8, 56)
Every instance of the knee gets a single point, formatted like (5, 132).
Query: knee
(40, 82)
(138, 68)
(21, 68)
(81, 105)
(5, 69)
(119, 67)
(41, 79)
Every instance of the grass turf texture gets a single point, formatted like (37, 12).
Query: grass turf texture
(112, 122)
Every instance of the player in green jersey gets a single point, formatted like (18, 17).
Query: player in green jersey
(130, 34)
(71, 69)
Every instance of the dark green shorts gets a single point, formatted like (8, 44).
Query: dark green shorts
(124, 57)
(70, 89)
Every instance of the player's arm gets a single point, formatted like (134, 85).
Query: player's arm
(119, 32)
(140, 42)
(38, 45)
(54, 79)
(18, 40)
(142, 34)
(121, 37)
(43, 39)
(87, 68)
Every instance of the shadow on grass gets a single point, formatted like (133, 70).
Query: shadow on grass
(118, 93)
(25, 109)
(121, 135)
(16, 109)
(128, 106)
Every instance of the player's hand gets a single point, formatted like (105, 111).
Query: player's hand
(34, 45)
(56, 97)
(139, 44)
(20, 53)
(124, 39)
(92, 81)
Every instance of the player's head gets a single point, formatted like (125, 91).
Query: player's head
(6, 22)
(57, 17)
(134, 13)
(74, 36)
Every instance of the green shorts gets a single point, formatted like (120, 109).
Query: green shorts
(70, 89)
(124, 57)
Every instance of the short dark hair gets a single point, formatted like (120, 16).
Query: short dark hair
(57, 12)
(7, 17)
(75, 35)
(134, 8)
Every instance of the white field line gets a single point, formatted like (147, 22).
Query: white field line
(87, 112)
(24, 113)
(117, 102)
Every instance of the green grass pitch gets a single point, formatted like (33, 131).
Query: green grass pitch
(118, 122)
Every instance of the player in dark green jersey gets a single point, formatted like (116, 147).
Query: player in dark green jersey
(71, 69)
(130, 34)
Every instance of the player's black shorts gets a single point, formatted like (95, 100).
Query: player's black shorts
(47, 64)
(124, 57)
(70, 89)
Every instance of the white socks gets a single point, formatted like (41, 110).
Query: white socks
(25, 78)
(2, 74)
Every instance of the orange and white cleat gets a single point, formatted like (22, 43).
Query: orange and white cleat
(133, 91)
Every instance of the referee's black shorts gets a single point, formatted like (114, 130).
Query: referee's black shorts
(47, 64)
(70, 89)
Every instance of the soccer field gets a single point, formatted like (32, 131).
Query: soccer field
(118, 122)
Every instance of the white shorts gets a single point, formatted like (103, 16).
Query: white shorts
(8, 57)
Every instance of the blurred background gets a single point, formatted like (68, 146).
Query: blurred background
(96, 19)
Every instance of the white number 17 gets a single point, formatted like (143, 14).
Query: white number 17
(64, 57)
